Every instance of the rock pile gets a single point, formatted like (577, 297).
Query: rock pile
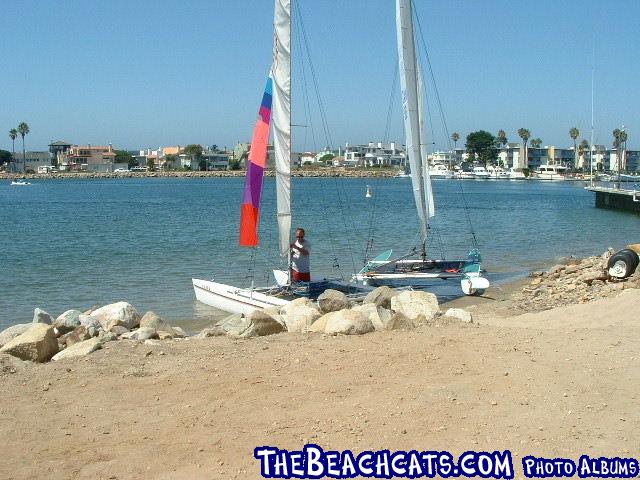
(74, 333)
(573, 281)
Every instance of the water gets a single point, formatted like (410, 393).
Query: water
(80, 243)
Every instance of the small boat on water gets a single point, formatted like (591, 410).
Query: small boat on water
(497, 173)
(20, 183)
(552, 173)
(480, 173)
(439, 170)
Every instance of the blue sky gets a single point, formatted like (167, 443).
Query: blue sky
(149, 73)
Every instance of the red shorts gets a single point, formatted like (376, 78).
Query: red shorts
(299, 276)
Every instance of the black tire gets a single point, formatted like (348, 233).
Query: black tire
(623, 263)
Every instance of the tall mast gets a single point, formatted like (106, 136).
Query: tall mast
(410, 105)
(281, 72)
(593, 69)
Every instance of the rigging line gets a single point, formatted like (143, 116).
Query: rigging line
(392, 97)
(305, 92)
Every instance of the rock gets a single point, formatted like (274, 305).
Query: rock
(88, 321)
(416, 305)
(261, 324)
(332, 301)
(536, 281)
(152, 320)
(299, 314)
(120, 313)
(142, 333)
(594, 274)
(380, 317)
(164, 335)
(319, 325)
(80, 334)
(37, 344)
(79, 349)
(11, 364)
(119, 330)
(40, 316)
(347, 322)
(215, 331)
(178, 332)
(107, 337)
(12, 332)
(234, 324)
(381, 297)
(399, 321)
(460, 314)
(67, 321)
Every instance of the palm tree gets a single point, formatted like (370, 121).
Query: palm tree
(23, 129)
(574, 133)
(536, 142)
(13, 134)
(502, 137)
(525, 135)
(455, 136)
(583, 148)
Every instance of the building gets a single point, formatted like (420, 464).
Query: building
(90, 158)
(59, 150)
(374, 154)
(29, 163)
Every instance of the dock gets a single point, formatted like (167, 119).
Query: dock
(617, 198)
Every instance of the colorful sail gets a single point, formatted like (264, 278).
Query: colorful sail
(255, 168)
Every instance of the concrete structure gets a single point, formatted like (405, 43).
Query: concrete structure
(90, 158)
(617, 199)
(30, 163)
(59, 150)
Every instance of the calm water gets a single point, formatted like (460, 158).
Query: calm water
(79, 243)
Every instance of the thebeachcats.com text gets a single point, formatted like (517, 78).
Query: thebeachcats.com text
(314, 462)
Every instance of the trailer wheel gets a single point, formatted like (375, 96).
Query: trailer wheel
(623, 263)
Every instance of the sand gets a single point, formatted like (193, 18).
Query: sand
(563, 382)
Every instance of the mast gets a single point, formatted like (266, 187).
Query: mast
(593, 68)
(409, 90)
(281, 73)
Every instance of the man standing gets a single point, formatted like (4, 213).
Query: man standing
(300, 251)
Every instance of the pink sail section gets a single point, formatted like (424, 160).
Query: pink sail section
(255, 169)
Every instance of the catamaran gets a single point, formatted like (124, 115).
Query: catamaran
(405, 270)
(274, 112)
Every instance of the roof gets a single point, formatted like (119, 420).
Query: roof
(60, 143)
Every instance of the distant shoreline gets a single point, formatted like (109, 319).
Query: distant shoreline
(328, 172)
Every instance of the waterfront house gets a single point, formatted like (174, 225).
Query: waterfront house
(29, 163)
(91, 158)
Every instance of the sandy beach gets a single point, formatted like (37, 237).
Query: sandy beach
(561, 382)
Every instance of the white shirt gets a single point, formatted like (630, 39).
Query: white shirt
(300, 262)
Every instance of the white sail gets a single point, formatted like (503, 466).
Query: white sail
(281, 118)
(408, 85)
(428, 191)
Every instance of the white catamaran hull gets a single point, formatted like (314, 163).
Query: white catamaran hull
(233, 299)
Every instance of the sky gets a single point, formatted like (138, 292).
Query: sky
(145, 74)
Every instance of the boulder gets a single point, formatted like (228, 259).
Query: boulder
(399, 321)
(416, 305)
(261, 324)
(215, 331)
(120, 313)
(152, 320)
(460, 314)
(142, 333)
(89, 322)
(320, 325)
(67, 321)
(347, 322)
(12, 332)
(79, 349)
(381, 296)
(178, 332)
(234, 324)
(80, 334)
(119, 330)
(37, 344)
(299, 314)
(40, 316)
(332, 301)
(380, 317)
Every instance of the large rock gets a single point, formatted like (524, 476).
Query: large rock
(153, 320)
(416, 305)
(12, 332)
(332, 301)
(460, 314)
(234, 324)
(348, 322)
(80, 334)
(37, 344)
(68, 321)
(120, 313)
(261, 324)
(79, 349)
(381, 297)
(40, 316)
(299, 314)
(380, 317)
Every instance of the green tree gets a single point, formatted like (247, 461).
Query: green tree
(195, 152)
(583, 148)
(151, 166)
(326, 159)
(169, 160)
(23, 129)
(502, 138)
(482, 145)
(13, 134)
(525, 135)
(536, 143)
(5, 157)
(455, 136)
(122, 156)
(234, 164)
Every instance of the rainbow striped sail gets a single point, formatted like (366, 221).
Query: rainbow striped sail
(255, 169)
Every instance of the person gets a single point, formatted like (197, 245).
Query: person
(300, 253)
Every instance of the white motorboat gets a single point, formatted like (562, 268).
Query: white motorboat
(513, 174)
(480, 173)
(497, 173)
(439, 170)
(463, 175)
(20, 182)
(551, 172)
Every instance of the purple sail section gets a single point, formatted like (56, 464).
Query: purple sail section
(253, 185)
(265, 112)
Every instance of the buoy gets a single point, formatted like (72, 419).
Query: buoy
(369, 194)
